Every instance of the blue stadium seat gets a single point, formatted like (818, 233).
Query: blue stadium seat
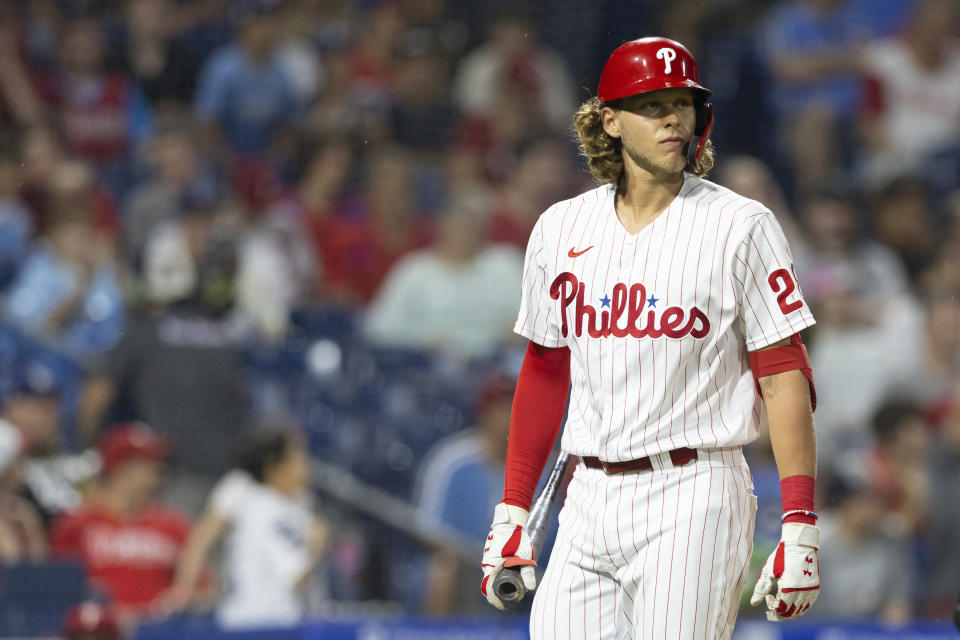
(335, 323)
(35, 597)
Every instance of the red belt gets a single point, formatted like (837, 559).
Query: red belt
(679, 457)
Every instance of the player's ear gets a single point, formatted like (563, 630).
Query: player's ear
(610, 119)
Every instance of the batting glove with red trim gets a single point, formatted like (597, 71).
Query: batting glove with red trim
(507, 545)
(790, 580)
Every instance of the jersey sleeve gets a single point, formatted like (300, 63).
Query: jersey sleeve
(229, 495)
(771, 305)
(537, 320)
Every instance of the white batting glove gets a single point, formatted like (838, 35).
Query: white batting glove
(507, 545)
(790, 580)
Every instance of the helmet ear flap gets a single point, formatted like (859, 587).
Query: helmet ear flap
(704, 128)
(704, 117)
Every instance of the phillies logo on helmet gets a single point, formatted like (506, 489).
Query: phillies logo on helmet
(628, 304)
(668, 55)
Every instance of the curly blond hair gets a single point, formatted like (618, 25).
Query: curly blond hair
(604, 153)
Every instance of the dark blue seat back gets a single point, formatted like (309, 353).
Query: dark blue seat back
(35, 597)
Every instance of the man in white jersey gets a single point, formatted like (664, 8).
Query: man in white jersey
(671, 306)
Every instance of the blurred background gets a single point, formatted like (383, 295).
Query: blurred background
(261, 258)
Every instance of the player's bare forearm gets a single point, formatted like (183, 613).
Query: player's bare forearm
(787, 398)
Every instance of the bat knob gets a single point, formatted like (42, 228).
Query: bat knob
(508, 585)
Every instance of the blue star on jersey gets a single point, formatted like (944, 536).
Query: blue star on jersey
(605, 301)
(651, 301)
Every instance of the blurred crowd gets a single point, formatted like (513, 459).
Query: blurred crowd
(216, 214)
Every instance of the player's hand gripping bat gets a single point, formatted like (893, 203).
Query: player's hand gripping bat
(508, 585)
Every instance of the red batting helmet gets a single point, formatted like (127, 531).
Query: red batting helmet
(649, 64)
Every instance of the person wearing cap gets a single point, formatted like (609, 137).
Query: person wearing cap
(30, 401)
(21, 531)
(128, 542)
(31, 404)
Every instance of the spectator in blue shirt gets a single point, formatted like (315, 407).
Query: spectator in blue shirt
(68, 290)
(813, 51)
(884, 17)
(461, 478)
(103, 114)
(245, 96)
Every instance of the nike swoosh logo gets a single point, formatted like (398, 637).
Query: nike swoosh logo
(574, 254)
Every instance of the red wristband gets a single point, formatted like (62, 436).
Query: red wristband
(796, 493)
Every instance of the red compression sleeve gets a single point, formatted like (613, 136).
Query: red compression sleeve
(796, 493)
(538, 405)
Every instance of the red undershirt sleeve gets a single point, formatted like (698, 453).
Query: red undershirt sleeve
(538, 406)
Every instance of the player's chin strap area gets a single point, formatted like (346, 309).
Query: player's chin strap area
(704, 128)
(788, 357)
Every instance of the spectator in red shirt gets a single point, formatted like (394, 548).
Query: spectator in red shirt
(101, 113)
(103, 116)
(357, 252)
(371, 59)
(50, 179)
(319, 196)
(128, 542)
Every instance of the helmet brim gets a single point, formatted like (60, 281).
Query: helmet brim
(654, 84)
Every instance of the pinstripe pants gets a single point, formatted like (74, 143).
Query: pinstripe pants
(659, 554)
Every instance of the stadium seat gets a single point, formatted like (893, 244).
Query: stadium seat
(35, 597)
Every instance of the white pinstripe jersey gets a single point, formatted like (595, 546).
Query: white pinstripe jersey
(659, 323)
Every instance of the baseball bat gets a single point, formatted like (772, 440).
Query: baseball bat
(508, 585)
(346, 488)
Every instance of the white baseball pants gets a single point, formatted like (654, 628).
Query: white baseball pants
(650, 555)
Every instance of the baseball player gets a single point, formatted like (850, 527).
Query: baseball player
(669, 304)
